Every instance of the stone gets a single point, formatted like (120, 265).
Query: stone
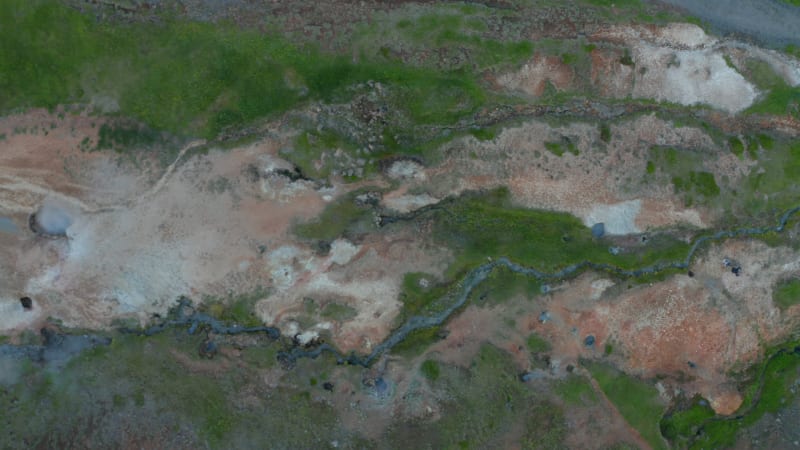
(27, 303)
(598, 230)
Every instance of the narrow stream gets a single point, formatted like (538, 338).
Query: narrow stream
(478, 275)
(186, 315)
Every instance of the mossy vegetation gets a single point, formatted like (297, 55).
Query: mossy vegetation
(537, 344)
(417, 341)
(767, 191)
(787, 293)
(430, 369)
(144, 384)
(200, 78)
(697, 183)
(736, 146)
(766, 388)
(486, 407)
(637, 401)
(559, 148)
(772, 188)
(576, 391)
(121, 136)
(481, 225)
(422, 294)
(502, 285)
(309, 147)
(605, 133)
(338, 312)
(460, 32)
(780, 98)
(346, 215)
(680, 425)
(236, 309)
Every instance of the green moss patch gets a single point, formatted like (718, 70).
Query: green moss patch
(787, 293)
(344, 215)
(636, 400)
(481, 225)
(202, 78)
(576, 390)
(486, 406)
(430, 369)
(537, 344)
(767, 388)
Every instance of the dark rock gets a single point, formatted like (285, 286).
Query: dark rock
(381, 387)
(691, 364)
(528, 376)
(32, 224)
(544, 317)
(691, 274)
(328, 386)
(598, 230)
(736, 270)
(322, 248)
(208, 349)
(26, 302)
(292, 175)
(51, 338)
(570, 368)
(589, 340)
(251, 173)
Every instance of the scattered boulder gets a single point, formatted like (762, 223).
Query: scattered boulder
(26, 303)
(528, 376)
(598, 230)
(589, 340)
(208, 349)
(544, 317)
(328, 386)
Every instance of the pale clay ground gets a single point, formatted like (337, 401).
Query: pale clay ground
(143, 236)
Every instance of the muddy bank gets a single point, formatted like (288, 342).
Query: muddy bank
(770, 22)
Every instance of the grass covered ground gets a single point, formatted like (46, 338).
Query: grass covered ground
(486, 407)
(779, 98)
(760, 198)
(477, 226)
(140, 387)
(768, 388)
(787, 294)
(198, 78)
(637, 401)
